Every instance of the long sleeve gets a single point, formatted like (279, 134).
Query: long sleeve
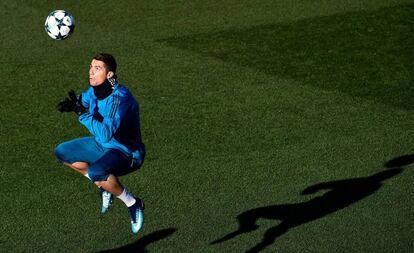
(86, 98)
(105, 126)
(113, 121)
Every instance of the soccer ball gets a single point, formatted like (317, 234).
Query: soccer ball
(59, 24)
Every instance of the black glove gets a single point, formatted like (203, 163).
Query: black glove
(97, 116)
(72, 104)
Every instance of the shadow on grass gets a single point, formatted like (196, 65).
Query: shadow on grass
(400, 161)
(365, 54)
(140, 245)
(339, 195)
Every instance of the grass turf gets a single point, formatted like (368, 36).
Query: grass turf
(243, 106)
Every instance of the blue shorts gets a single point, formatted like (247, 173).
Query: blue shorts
(102, 161)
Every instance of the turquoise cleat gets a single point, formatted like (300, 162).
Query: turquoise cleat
(107, 199)
(137, 215)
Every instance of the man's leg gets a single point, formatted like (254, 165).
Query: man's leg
(88, 158)
(81, 167)
(79, 153)
(135, 205)
(106, 196)
(111, 185)
(101, 172)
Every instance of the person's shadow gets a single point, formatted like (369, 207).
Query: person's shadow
(339, 195)
(140, 245)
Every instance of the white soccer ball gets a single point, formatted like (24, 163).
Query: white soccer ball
(59, 24)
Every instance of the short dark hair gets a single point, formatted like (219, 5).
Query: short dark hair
(108, 59)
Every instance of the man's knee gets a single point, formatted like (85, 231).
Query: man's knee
(61, 153)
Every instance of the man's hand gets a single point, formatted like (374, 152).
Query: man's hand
(72, 104)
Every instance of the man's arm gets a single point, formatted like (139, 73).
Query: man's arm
(86, 97)
(72, 103)
(105, 127)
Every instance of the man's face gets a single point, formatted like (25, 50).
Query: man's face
(98, 73)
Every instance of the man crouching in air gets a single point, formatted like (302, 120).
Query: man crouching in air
(111, 114)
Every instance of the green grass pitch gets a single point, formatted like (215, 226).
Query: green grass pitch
(270, 126)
